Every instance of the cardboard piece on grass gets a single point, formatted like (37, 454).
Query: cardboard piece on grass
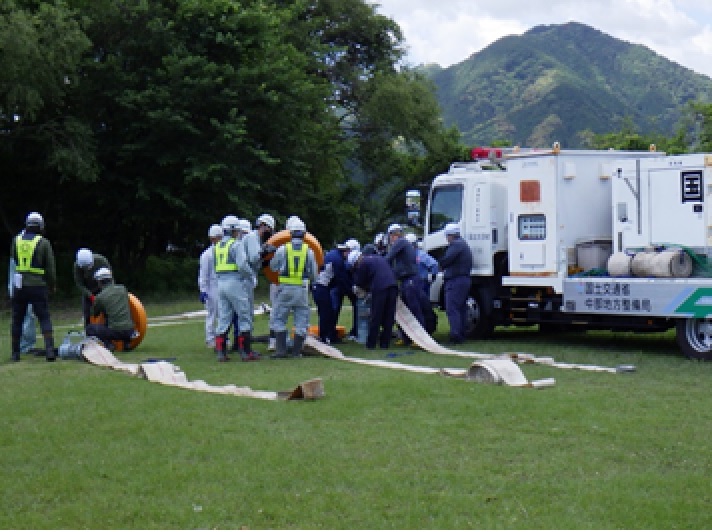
(311, 389)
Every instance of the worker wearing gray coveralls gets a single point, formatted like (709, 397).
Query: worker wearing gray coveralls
(296, 265)
(249, 260)
(228, 283)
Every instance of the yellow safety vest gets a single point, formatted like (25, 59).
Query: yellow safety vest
(221, 261)
(296, 261)
(25, 250)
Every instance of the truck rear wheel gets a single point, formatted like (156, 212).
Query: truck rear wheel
(694, 336)
(479, 322)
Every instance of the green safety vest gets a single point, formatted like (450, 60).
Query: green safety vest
(296, 261)
(25, 250)
(221, 262)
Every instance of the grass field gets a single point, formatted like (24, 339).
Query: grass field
(86, 447)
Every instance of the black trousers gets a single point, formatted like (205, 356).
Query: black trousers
(106, 335)
(38, 297)
(383, 315)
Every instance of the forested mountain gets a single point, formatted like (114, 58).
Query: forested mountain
(556, 81)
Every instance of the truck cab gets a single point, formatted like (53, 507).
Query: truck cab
(472, 195)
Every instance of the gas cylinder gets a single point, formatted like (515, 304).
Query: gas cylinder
(71, 346)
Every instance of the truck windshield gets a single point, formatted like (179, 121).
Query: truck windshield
(445, 206)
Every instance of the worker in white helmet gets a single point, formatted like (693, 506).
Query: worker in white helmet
(329, 297)
(28, 338)
(402, 257)
(208, 283)
(297, 267)
(35, 277)
(249, 256)
(228, 283)
(352, 245)
(86, 264)
(427, 270)
(112, 301)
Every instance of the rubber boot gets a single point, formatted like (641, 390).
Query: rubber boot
(50, 353)
(281, 345)
(297, 347)
(247, 339)
(15, 349)
(240, 341)
(221, 347)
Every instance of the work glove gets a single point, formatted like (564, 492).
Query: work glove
(431, 277)
(359, 292)
(266, 250)
(203, 298)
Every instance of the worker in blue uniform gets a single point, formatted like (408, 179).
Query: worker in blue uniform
(340, 284)
(402, 258)
(373, 274)
(456, 265)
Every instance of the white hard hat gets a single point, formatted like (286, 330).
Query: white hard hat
(243, 224)
(352, 243)
(229, 223)
(410, 237)
(353, 257)
(394, 228)
(266, 219)
(296, 224)
(452, 229)
(34, 219)
(85, 258)
(103, 274)
(215, 231)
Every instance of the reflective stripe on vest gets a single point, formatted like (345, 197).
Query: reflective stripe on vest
(25, 250)
(296, 261)
(221, 261)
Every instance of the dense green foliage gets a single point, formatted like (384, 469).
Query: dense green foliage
(560, 82)
(133, 125)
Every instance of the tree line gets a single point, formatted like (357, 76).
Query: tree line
(134, 125)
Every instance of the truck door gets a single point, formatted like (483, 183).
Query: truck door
(445, 206)
(532, 216)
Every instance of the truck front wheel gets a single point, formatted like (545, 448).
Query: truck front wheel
(694, 336)
(479, 322)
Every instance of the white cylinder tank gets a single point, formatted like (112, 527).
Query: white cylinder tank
(668, 263)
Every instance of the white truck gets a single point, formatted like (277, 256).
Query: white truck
(582, 239)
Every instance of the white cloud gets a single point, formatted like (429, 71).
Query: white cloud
(449, 31)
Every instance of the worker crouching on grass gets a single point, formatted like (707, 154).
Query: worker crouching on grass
(297, 267)
(112, 302)
(86, 265)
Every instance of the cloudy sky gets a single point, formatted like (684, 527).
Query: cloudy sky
(449, 31)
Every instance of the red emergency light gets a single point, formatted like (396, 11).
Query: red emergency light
(480, 152)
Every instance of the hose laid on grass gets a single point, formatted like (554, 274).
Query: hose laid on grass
(164, 372)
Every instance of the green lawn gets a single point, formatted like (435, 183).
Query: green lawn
(86, 447)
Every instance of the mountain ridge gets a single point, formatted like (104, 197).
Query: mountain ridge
(555, 82)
